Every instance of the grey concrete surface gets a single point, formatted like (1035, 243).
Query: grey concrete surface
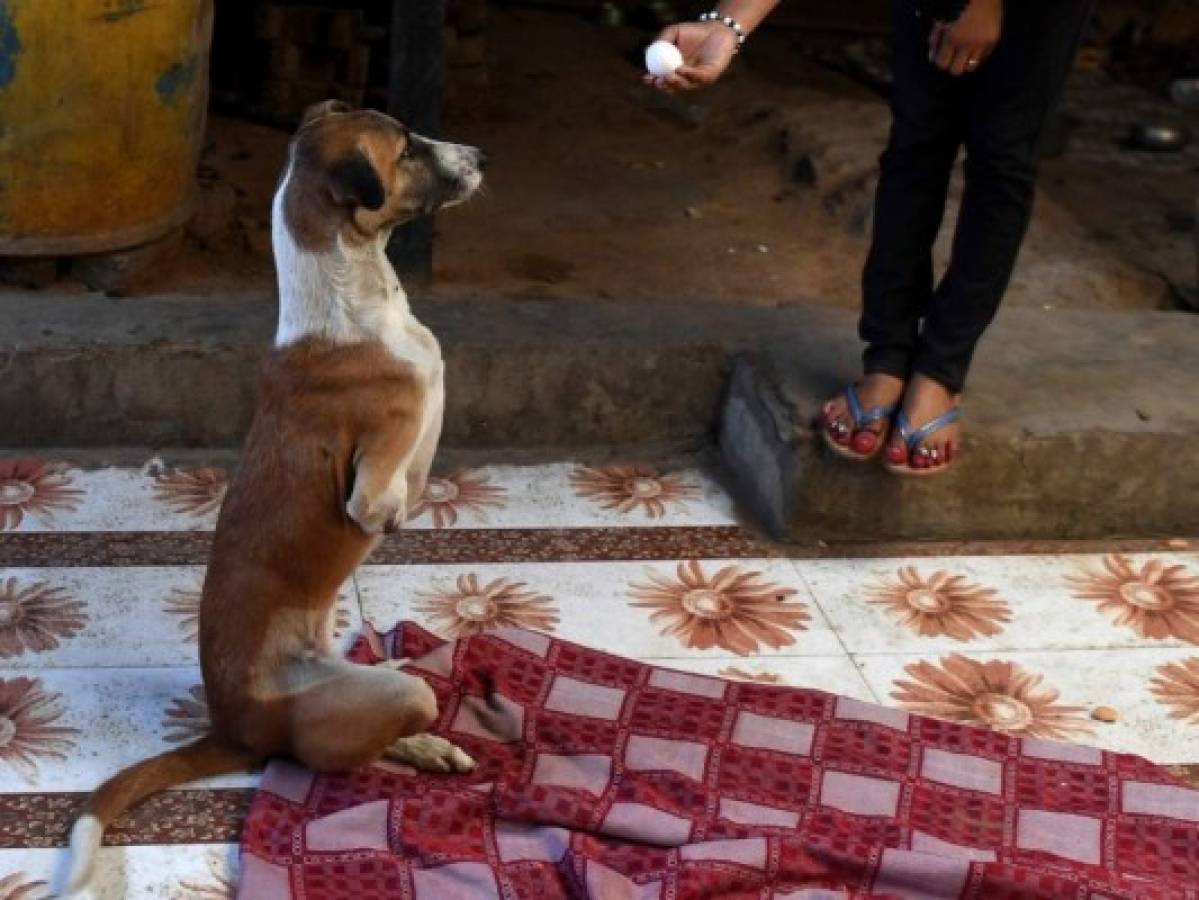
(1077, 425)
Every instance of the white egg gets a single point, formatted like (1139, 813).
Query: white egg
(662, 58)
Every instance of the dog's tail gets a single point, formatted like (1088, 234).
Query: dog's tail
(199, 759)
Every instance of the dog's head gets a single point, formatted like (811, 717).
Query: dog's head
(360, 172)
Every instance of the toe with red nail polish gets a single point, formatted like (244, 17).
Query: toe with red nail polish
(857, 422)
(864, 442)
(928, 429)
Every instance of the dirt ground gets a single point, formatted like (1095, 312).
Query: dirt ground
(599, 188)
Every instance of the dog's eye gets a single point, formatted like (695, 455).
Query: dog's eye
(407, 154)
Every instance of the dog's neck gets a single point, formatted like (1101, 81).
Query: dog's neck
(346, 293)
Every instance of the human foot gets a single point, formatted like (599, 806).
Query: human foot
(929, 438)
(858, 431)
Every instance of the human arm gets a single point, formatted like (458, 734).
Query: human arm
(708, 47)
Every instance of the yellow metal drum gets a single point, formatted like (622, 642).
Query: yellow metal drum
(102, 107)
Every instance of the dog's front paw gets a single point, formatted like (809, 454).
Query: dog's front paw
(429, 753)
(383, 516)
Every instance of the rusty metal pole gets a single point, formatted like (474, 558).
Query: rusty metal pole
(414, 94)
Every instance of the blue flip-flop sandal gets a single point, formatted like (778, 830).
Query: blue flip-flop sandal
(861, 418)
(914, 437)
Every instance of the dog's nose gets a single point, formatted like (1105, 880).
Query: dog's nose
(481, 160)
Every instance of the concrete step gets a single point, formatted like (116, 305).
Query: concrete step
(1078, 425)
(92, 371)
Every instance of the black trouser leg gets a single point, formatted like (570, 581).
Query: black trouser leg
(1006, 105)
(926, 132)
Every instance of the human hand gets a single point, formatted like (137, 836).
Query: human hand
(707, 49)
(964, 44)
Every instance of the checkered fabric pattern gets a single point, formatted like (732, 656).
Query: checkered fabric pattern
(605, 778)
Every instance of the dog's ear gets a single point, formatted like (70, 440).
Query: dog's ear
(354, 182)
(324, 108)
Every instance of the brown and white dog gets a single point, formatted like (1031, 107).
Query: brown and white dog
(347, 423)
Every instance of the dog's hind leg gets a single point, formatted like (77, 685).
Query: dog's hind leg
(344, 716)
(426, 752)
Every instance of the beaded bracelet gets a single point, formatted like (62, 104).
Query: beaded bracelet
(729, 21)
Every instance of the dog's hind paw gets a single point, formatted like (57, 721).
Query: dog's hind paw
(429, 753)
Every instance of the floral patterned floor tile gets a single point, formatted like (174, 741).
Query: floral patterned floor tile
(1153, 694)
(177, 872)
(97, 663)
(573, 496)
(108, 616)
(69, 729)
(708, 608)
(1002, 603)
(51, 495)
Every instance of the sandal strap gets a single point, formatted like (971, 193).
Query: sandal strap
(862, 417)
(914, 437)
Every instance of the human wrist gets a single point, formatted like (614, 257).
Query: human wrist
(734, 27)
(748, 13)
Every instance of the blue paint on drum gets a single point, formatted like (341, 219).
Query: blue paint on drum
(10, 46)
(175, 81)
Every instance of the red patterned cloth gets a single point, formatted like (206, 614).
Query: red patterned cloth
(605, 778)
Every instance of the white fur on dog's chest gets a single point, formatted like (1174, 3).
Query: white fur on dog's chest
(413, 343)
(346, 294)
(403, 335)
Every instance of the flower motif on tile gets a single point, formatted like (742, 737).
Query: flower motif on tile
(627, 488)
(187, 717)
(447, 496)
(735, 609)
(1155, 601)
(27, 730)
(14, 886)
(195, 491)
(36, 616)
(219, 885)
(471, 607)
(734, 674)
(996, 694)
(185, 604)
(1176, 685)
(31, 487)
(942, 604)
